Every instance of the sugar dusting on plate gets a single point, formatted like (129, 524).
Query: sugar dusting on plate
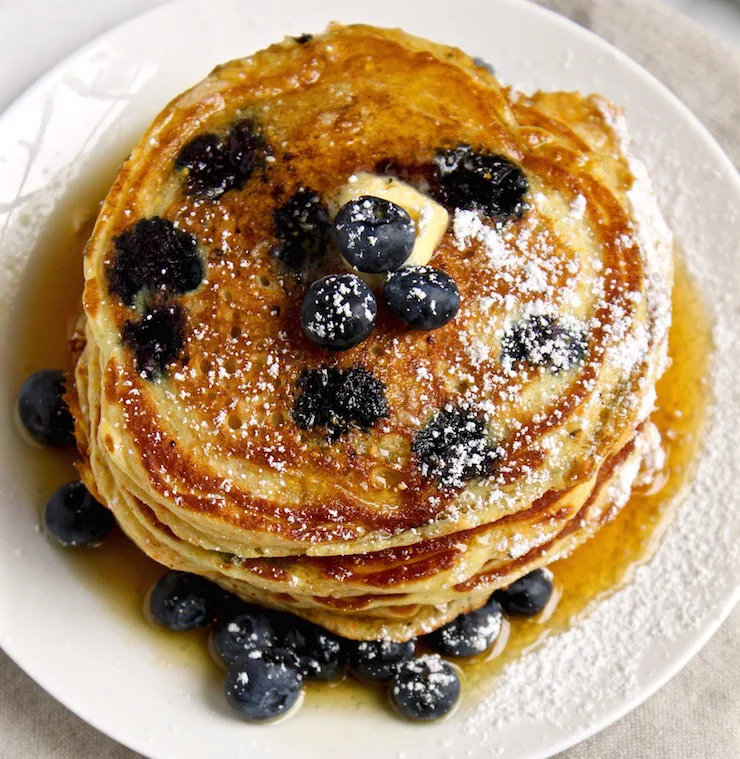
(627, 640)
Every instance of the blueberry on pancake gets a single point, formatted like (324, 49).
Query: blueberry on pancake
(541, 342)
(338, 312)
(373, 234)
(155, 256)
(302, 225)
(422, 297)
(338, 400)
(215, 164)
(470, 179)
(156, 339)
(454, 447)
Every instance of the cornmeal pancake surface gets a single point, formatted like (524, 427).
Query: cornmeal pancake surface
(473, 452)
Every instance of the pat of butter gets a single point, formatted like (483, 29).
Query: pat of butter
(429, 218)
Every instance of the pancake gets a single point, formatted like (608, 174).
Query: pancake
(475, 452)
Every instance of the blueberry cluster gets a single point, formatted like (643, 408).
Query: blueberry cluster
(339, 400)
(542, 342)
(470, 179)
(270, 655)
(375, 236)
(454, 447)
(216, 164)
(156, 258)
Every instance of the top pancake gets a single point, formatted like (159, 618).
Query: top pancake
(212, 439)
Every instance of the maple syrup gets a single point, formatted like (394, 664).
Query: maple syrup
(49, 300)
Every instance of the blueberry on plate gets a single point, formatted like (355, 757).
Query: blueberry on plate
(373, 234)
(182, 601)
(43, 411)
(263, 684)
(75, 518)
(422, 297)
(321, 655)
(426, 688)
(469, 179)
(236, 635)
(379, 659)
(469, 634)
(528, 595)
(338, 312)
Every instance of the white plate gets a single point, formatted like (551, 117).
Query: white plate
(86, 114)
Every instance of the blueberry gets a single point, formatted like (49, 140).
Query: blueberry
(528, 595)
(156, 256)
(422, 297)
(245, 143)
(482, 63)
(469, 179)
(182, 601)
(302, 225)
(338, 312)
(379, 659)
(217, 164)
(43, 410)
(339, 400)
(321, 655)
(248, 630)
(469, 634)
(426, 688)
(541, 341)
(75, 518)
(156, 339)
(373, 234)
(263, 684)
(454, 447)
(200, 152)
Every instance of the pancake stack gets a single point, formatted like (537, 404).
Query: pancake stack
(379, 491)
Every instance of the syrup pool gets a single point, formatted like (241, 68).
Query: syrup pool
(49, 300)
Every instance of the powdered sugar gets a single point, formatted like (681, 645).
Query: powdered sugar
(468, 226)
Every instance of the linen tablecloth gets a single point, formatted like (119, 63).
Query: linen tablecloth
(697, 715)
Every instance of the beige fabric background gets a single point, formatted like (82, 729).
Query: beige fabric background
(696, 716)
